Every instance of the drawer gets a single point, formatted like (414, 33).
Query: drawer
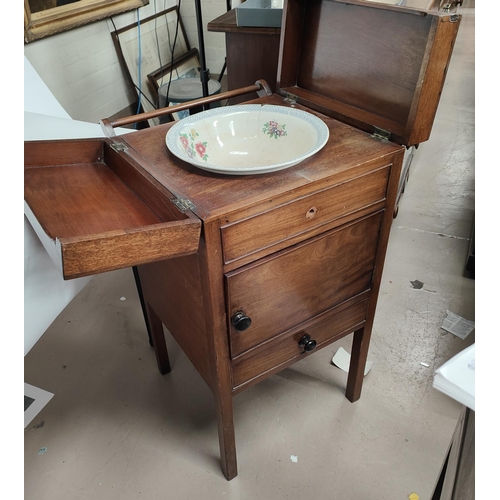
(304, 214)
(95, 210)
(294, 285)
(276, 354)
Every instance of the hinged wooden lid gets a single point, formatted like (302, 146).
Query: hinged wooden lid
(371, 65)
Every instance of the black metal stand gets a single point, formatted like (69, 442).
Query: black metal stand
(204, 72)
(228, 7)
(204, 78)
(143, 304)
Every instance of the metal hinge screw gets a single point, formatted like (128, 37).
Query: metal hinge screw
(119, 146)
(184, 204)
(381, 134)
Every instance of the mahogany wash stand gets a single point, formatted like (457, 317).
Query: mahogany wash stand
(253, 273)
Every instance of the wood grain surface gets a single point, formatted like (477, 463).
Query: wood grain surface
(299, 283)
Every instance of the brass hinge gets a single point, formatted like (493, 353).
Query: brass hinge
(183, 204)
(119, 146)
(291, 98)
(381, 134)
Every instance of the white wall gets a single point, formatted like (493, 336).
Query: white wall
(215, 46)
(81, 66)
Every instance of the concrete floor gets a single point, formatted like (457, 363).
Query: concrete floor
(116, 429)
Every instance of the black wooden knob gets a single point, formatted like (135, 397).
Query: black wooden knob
(240, 321)
(307, 343)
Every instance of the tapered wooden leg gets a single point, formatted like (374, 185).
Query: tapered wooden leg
(359, 353)
(227, 443)
(211, 273)
(159, 344)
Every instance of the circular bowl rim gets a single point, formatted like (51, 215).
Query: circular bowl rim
(317, 123)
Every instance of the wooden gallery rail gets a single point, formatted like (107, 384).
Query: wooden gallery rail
(260, 86)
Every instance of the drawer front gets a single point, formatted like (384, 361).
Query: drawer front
(301, 215)
(294, 285)
(278, 353)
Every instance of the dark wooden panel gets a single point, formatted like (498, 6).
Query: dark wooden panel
(297, 284)
(251, 53)
(274, 355)
(251, 57)
(173, 289)
(290, 44)
(355, 55)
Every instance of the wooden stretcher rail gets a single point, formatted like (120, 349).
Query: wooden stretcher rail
(260, 86)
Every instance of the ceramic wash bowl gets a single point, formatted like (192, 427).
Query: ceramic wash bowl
(247, 139)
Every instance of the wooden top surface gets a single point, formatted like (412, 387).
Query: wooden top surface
(344, 155)
(227, 24)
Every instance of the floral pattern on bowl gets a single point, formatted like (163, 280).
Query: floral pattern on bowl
(273, 129)
(194, 148)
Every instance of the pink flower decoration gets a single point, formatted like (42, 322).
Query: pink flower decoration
(184, 142)
(200, 149)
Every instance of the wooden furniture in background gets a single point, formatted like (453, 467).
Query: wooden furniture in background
(288, 262)
(457, 479)
(251, 53)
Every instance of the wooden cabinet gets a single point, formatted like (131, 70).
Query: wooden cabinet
(251, 52)
(298, 252)
(252, 273)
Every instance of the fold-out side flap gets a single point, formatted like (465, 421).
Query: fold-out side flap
(96, 210)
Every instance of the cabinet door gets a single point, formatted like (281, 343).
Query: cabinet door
(294, 285)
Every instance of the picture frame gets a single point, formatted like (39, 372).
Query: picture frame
(46, 18)
(157, 36)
